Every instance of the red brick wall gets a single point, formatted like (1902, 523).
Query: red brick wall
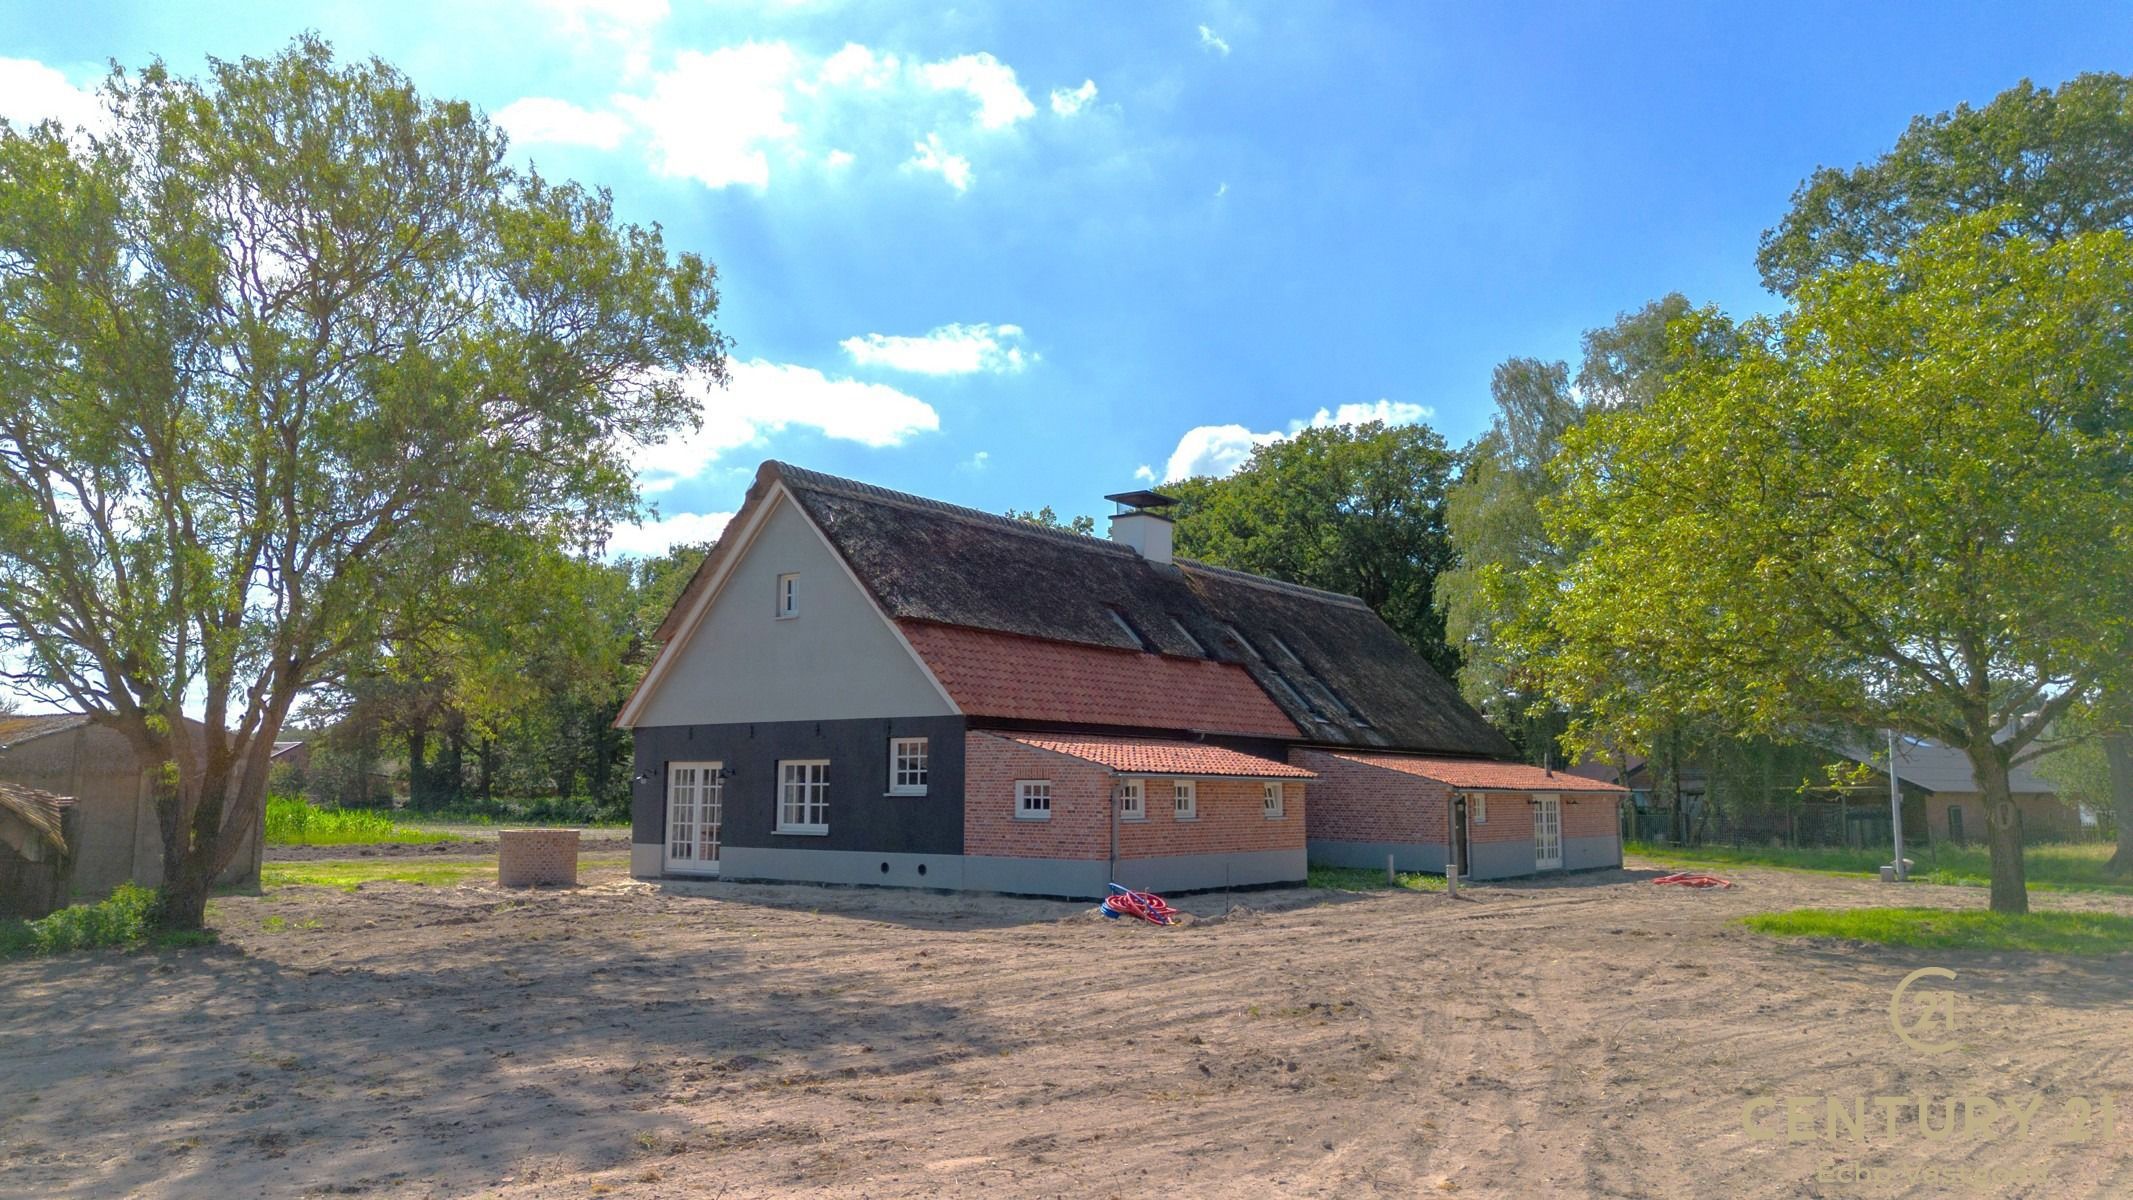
(1230, 815)
(1591, 815)
(1353, 802)
(1510, 819)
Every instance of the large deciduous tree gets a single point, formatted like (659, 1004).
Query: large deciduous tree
(1902, 504)
(281, 351)
(1493, 512)
(1357, 509)
(2049, 165)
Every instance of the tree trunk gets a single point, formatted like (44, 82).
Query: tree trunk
(2118, 758)
(2003, 826)
(418, 765)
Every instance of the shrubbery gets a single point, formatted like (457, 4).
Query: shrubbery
(125, 920)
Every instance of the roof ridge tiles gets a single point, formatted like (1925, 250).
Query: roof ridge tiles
(1273, 584)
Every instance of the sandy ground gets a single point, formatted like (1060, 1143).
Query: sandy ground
(1596, 1036)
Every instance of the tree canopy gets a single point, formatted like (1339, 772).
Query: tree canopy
(2050, 164)
(1357, 509)
(1901, 504)
(282, 351)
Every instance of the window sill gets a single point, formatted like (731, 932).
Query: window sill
(906, 794)
(1033, 817)
(1277, 816)
(1193, 818)
(1133, 820)
(810, 831)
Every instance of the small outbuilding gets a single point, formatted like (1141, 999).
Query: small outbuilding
(116, 837)
(36, 864)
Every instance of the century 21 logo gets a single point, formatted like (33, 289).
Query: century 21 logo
(1930, 1007)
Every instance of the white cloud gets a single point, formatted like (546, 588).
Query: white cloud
(606, 17)
(1222, 189)
(1144, 473)
(929, 156)
(856, 65)
(538, 119)
(1001, 100)
(1209, 41)
(740, 114)
(979, 461)
(764, 398)
(1391, 412)
(1214, 450)
(654, 538)
(1068, 101)
(948, 350)
(711, 116)
(31, 92)
(1221, 449)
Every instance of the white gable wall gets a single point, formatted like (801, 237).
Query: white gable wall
(840, 658)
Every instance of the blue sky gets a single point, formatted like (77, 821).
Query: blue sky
(1011, 255)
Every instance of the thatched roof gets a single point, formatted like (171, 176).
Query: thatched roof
(41, 811)
(14, 730)
(1326, 660)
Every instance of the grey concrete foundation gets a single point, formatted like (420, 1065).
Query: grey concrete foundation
(1592, 853)
(1212, 872)
(647, 861)
(1406, 856)
(1072, 878)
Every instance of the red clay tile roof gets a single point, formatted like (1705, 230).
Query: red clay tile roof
(1005, 675)
(18, 729)
(1481, 775)
(1140, 756)
(42, 811)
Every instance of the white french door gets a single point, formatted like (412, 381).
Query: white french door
(1547, 832)
(696, 804)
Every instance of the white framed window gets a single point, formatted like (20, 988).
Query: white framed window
(788, 596)
(1270, 799)
(1185, 799)
(803, 795)
(1033, 799)
(1477, 808)
(1132, 800)
(907, 766)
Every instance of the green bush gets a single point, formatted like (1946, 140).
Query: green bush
(125, 920)
(294, 821)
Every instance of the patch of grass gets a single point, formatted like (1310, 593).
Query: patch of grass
(123, 921)
(2050, 866)
(1956, 929)
(1363, 879)
(294, 821)
(578, 812)
(350, 874)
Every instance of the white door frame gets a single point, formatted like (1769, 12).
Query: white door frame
(696, 795)
(1547, 831)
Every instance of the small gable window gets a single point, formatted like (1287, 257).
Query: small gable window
(1132, 800)
(907, 766)
(1185, 799)
(788, 596)
(1033, 799)
(1270, 800)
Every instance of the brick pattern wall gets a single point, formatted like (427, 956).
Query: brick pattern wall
(1355, 802)
(1231, 817)
(537, 857)
(1591, 816)
(1510, 819)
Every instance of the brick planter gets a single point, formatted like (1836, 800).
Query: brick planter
(537, 858)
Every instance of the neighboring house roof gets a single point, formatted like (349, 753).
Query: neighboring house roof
(1935, 767)
(1470, 775)
(1004, 675)
(1326, 661)
(19, 729)
(282, 748)
(1146, 756)
(42, 811)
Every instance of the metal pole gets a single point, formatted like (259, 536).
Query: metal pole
(1896, 810)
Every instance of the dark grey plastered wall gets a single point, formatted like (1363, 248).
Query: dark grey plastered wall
(862, 815)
